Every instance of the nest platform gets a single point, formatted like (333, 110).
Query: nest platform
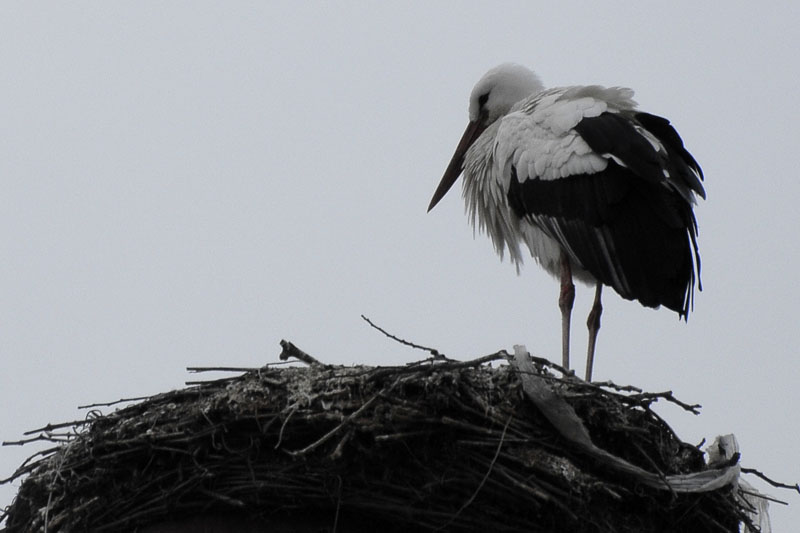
(438, 445)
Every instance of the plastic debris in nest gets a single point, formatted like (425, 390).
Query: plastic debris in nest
(722, 451)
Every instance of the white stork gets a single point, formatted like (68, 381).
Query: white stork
(595, 188)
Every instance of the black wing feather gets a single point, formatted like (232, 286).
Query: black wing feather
(630, 225)
(688, 170)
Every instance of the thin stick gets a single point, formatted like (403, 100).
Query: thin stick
(223, 498)
(219, 381)
(776, 484)
(292, 411)
(450, 364)
(620, 388)
(115, 402)
(338, 505)
(433, 351)
(762, 496)
(47, 438)
(50, 427)
(198, 369)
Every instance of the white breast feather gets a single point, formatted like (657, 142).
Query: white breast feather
(485, 198)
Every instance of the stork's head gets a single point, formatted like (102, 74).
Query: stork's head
(492, 97)
(499, 89)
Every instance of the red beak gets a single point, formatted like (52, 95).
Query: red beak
(471, 134)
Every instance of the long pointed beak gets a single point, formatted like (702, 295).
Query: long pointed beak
(471, 134)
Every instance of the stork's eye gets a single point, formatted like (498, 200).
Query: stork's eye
(482, 99)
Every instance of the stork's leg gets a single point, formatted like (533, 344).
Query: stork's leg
(593, 323)
(565, 301)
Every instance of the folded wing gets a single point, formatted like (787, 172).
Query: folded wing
(614, 186)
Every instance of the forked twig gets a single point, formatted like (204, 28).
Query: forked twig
(649, 397)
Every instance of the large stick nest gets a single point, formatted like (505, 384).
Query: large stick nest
(436, 445)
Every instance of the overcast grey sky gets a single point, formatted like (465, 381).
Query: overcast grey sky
(185, 184)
